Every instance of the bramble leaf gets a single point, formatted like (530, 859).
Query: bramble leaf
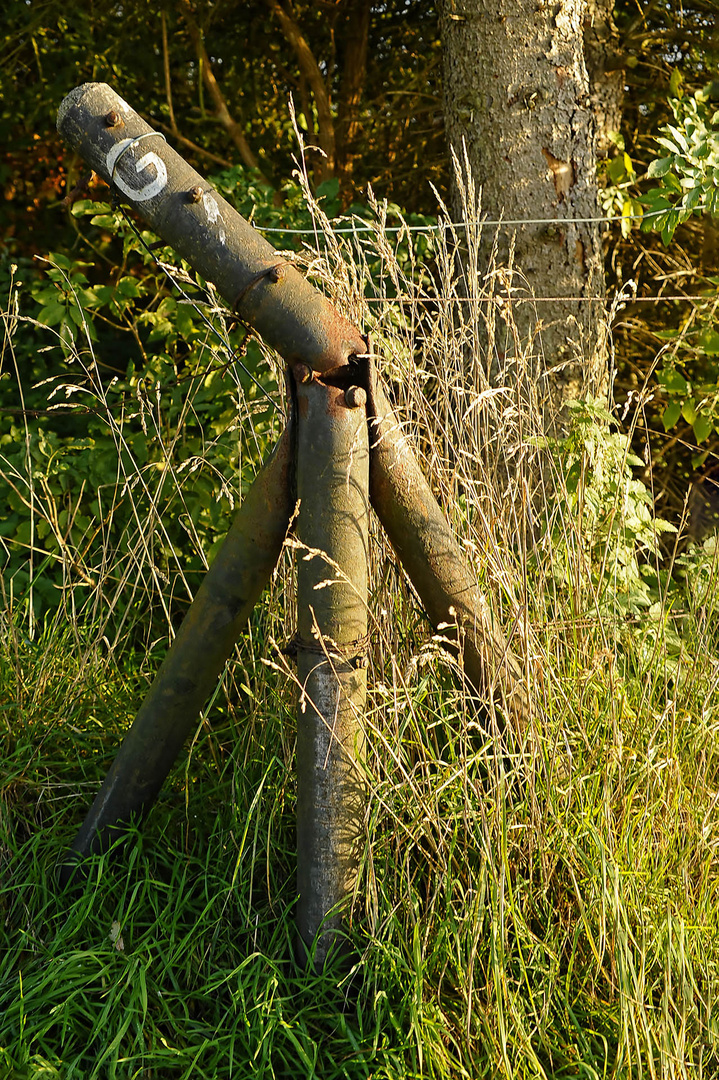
(660, 167)
(671, 414)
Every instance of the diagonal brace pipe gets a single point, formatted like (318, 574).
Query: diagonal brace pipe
(189, 672)
(433, 560)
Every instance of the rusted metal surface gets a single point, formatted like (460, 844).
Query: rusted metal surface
(433, 560)
(269, 294)
(190, 670)
(332, 529)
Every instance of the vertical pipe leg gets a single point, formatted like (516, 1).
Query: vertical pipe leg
(333, 492)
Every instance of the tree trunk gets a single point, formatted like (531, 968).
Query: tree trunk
(517, 94)
(605, 68)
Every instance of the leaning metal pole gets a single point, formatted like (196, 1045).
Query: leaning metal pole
(331, 643)
(189, 672)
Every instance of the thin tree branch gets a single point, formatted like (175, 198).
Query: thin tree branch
(166, 69)
(223, 113)
(172, 126)
(311, 71)
(639, 22)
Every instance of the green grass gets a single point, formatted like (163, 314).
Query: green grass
(555, 916)
(543, 906)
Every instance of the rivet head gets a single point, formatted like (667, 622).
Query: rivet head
(112, 119)
(303, 373)
(194, 194)
(355, 397)
(276, 273)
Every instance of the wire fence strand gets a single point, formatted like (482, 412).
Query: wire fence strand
(439, 226)
(529, 299)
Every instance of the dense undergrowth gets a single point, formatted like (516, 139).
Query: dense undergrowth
(533, 906)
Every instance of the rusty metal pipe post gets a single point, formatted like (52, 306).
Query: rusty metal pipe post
(189, 672)
(332, 531)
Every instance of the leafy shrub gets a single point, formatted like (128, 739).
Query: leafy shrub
(686, 182)
(603, 518)
(123, 447)
(617, 179)
(688, 175)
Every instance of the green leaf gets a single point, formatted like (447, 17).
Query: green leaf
(675, 83)
(627, 211)
(689, 411)
(129, 287)
(184, 323)
(709, 342)
(616, 170)
(702, 427)
(671, 414)
(573, 477)
(46, 296)
(656, 222)
(679, 136)
(673, 183)
(668, 145)
(672, 381)
(660, 167)
(106, 221)
(76, 315)
(83, 206)
(67, 335)
(63, 262)
(657, 198)
(52, 314)
(103, 294)
(669, 228)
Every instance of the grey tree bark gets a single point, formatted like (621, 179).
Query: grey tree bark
(605, 62)
(519, 97)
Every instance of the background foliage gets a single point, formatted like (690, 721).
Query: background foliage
(548, 911)
(541, 905)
